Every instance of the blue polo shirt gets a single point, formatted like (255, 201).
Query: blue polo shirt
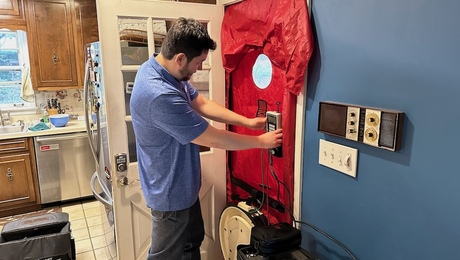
(164, 125)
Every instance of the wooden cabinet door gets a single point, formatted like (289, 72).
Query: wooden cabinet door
(9, 7)
(16, 180)
(52, 46)
(12, 14)
(86, 31)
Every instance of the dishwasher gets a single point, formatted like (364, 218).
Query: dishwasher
(65, 165)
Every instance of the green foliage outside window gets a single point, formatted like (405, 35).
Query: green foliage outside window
(10, 68)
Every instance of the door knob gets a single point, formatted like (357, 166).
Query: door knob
(123, 180)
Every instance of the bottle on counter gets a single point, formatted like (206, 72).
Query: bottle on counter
(45, 116)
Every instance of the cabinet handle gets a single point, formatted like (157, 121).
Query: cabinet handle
(55, 58)
(9, 174)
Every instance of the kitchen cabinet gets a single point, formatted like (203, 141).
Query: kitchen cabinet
(51, 44)
(19, 191)
(11, 9)
(57, 32)
(12, 14)
(85, 17)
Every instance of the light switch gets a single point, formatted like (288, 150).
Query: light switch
(338, 157)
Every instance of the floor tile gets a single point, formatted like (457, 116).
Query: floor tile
(98, 242)
(113, 249)
(94, 221)
(78, 224)
(80, 234)
(91, 204)
(101, 254)
(76, 215)
(110, 237)
(86, 256)
(96, 231)
(91, 212)
(83, 246)
(72, 207)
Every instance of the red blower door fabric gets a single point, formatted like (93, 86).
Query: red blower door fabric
(281, 31)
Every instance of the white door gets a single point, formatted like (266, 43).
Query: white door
(142, 17)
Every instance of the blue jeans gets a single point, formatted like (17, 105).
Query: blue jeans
(177, 235)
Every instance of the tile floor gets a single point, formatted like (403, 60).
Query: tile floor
(94, 239)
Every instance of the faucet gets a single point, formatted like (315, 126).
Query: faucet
(3, 120)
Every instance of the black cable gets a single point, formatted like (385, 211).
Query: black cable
(322, 233)
(302, 222)
(272, 171)
(327, 236)
(263, 184)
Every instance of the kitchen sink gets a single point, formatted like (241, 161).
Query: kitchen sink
(11, 129)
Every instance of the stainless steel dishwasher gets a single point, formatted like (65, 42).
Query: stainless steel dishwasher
(65, 165)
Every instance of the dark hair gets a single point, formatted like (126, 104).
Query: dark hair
(186, 36)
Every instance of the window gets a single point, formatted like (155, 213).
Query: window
(15, 86)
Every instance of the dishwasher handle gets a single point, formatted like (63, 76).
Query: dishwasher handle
(61, 137)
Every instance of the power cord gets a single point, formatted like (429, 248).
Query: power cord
(327, 236)
(321, 232)
(272, 171)
(263, 184)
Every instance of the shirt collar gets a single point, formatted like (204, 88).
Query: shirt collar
(165, 74)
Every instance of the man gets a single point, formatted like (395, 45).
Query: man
(167, 114)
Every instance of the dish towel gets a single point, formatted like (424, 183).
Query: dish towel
(27, 92)
(38, 127)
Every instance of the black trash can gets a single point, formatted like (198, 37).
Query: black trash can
(44, 237)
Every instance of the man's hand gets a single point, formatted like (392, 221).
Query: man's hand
(257, 123)
(272, 139)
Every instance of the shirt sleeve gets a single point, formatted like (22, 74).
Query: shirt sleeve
(172, 113)
(191, 90)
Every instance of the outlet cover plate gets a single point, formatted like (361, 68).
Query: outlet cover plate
(338, 157)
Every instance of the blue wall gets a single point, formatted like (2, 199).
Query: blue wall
(393, 54)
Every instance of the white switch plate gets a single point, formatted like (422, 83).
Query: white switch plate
(338, 157)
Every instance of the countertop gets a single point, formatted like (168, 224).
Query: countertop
(72, 126)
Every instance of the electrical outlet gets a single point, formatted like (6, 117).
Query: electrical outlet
(338, 157)
(372, 127)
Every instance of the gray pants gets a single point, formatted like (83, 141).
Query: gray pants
(177, 235)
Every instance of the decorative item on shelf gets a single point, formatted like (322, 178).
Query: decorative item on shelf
(77, 95)
(61, 94)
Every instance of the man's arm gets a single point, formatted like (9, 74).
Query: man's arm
(212, 110)
(217, 138)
